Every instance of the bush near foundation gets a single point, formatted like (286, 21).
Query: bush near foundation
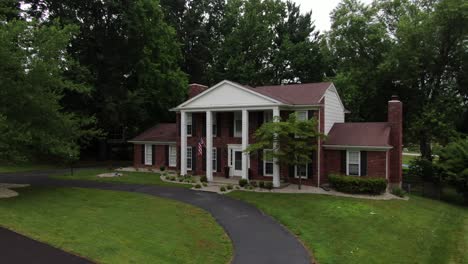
(358, 185)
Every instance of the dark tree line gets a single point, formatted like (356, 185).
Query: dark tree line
(128, 62)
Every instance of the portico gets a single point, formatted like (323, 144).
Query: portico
(226, 97)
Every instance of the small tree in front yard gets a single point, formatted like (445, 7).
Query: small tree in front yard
(292, 141)
(453, 160)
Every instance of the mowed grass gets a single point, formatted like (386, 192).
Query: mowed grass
(127, 177)
(116, 227)
(23, 167)
(348, 230)
(408, 158)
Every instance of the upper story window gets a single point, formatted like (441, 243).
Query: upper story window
(353, 162)
(302, 115)
(237, 124)
(189, 124)
(268, 116)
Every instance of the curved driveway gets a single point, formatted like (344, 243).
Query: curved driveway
(256, 237)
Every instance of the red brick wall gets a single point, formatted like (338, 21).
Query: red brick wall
(376, 162)
(332, 163)
(158, 160)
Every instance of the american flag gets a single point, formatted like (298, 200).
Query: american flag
(201, 143)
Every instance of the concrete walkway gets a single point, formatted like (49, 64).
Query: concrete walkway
(256, 237)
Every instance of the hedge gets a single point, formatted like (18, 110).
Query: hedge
(354, 184)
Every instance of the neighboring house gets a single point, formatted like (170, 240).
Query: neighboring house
(225, 116)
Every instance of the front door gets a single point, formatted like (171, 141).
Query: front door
(237, 163)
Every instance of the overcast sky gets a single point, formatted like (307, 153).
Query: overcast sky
(321, 10)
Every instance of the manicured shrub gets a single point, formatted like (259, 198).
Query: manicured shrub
(162, 168)
(223, 189)
(398, 192)
(254, 184)
(204, 184)
(243, 182)
(203, 179)
(261, 184)
(354, 184)
(237, 187)
(198, 186)
(269, 185)
(229, 187)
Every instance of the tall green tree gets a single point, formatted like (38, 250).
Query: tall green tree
(133, 58)
(33, 70)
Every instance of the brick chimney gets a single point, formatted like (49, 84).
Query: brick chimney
(195, 89)
(395, 119)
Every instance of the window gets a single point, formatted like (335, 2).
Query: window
(237, 124)
(301, 115)
(267, 163)
(301, 171)
(215, 124)
(353, 163)
(148, 154)
(172, 156)
(189, 124)
(189, 158)
(215, 159)
(268, 116)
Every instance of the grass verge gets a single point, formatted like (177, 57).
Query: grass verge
(117, 227)
(348, 230)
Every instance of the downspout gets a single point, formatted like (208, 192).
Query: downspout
(318, 150)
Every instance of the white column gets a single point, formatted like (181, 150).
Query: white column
(276, 168)
(245, 143)
(183, 143)
(209, 145)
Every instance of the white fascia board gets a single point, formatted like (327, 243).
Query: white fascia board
(181, 106)
(373, 148)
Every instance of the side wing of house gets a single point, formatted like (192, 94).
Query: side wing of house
(334, 109)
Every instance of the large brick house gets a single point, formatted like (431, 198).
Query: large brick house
(225, 116)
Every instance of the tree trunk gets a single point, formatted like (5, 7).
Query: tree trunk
(425, 147)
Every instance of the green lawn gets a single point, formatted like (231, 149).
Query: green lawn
(22, 167)
(408, 158)
(348, 230)
(128, 177)
(117, 227)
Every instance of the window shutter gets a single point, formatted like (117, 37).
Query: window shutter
(310, 166)
(194, 159)
(194, 123)
(203, 124)
(310, 114)
(218, 159)
(166, 150)
(153, 153)
(142, 150)
(260, 119)
(260, 162)
(218, 124)
(363, 163)
(231, 124)
(204, 159)
(343, 162)
(291, 171)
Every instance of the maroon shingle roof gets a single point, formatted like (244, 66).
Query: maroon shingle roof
(163, 132)
(359, 134)
(295, 94)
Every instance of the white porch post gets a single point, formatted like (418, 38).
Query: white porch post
(183, 143)
(209, 145)
(276, 169)
(245, 143)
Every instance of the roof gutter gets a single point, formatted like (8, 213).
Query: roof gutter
(341, 147)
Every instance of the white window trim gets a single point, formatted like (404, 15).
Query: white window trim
(189, 157)
(303, 111)
(214, 159)
(307, 172)
(265, 162)
(172, 149)
(189, 123)
(359, 162)
(148, 151)
(235, 127)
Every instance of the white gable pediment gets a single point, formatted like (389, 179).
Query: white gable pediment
(227, 94)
